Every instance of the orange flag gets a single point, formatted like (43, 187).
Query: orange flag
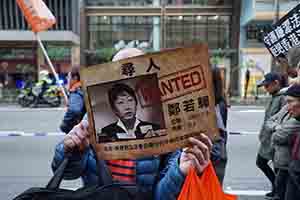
(37, 14)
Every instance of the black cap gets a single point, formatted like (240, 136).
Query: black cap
(269, 78)
(293, 91)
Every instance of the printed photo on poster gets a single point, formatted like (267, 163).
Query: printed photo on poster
(128, 109)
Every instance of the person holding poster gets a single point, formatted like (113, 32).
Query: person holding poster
(156, 177)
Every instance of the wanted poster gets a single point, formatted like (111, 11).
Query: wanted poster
(150, 104)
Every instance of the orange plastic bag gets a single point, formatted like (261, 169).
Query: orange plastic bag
(206, 187)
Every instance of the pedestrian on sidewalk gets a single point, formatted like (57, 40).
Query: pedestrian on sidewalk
(281, 157)
(75, 107)
(280, 140)
(219, 151)
(272, 84)
(292, 129)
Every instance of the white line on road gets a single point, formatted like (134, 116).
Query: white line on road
(17, 109)
(231, 132)
(251, 111)
(11, 133)
(37, 134)
(247, 192)
(42, 134)
(247, 107)
(20, 133)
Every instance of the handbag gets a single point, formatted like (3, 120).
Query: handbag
(105, 189)
(205, 187)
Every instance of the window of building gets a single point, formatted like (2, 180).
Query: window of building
(10, 53)
(115, 32)
(108, 33)
(157, 2)
(59, 53)
(120, 2)
(199, 2)
(11, 17)
(188, 30)
(256, 31)
(251, 32)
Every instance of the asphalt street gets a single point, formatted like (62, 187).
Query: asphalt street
(25, 161)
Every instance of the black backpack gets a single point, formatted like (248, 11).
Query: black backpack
(106, 188)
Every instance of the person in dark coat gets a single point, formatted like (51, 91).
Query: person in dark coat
(272, 84)
(289, 135)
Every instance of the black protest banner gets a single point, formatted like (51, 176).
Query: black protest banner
(285, 34)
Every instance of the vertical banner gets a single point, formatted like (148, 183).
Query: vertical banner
(37, 14)
(285, 34)
(150, 104)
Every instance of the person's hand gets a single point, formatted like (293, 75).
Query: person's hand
(78, 137)
(197, 155)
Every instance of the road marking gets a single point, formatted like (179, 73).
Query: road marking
(20, 133)
(235, 107)
(11, 133)
(19, 109)
(40, 134)
(243, 132)
(251, 111)
(247, 192)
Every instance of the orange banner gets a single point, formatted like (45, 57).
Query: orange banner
(37, 14)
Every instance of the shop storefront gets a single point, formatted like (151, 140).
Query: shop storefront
(153, 25)
(19, 66)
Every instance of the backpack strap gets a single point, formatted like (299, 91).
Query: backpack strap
(102, 171)
(58, 175)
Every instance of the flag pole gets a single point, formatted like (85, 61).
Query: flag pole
(52, 68)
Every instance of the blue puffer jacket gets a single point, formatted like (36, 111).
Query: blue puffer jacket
(75, 112)
(165, 183)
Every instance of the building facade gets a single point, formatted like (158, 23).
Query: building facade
(257, 16)
(20, 56)
(153, 25)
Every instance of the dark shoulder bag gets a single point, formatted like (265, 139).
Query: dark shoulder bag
(105, 189)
